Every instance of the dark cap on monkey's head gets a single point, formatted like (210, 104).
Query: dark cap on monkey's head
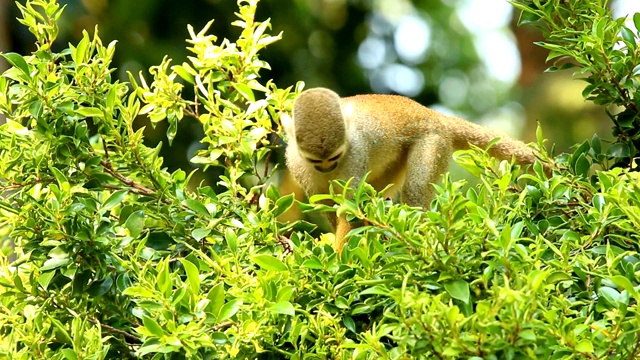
(319, 123)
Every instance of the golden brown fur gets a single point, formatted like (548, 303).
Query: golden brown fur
(394, 138)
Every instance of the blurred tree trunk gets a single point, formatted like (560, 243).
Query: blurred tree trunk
(5, 45)
(554, 99)
(5, 41)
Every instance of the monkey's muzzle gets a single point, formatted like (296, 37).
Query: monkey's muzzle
(327, 169)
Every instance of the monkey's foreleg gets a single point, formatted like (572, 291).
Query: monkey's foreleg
(428, 158)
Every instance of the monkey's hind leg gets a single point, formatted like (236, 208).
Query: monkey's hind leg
(428, 158)
(341, 228)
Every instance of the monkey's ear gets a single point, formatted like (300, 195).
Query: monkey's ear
(287, 123)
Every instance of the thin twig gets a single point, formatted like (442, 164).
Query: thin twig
(286, 244)
(132, 190)
(111, 329)
(137, 188)
(15, 185)
(222, 325)
(105, 148)
(107, 166)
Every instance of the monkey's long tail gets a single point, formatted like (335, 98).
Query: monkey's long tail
(465, 133)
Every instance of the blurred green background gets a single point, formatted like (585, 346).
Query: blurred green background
(464, 57)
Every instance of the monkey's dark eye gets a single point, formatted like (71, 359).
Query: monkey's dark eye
(314, 161)
(335, 157)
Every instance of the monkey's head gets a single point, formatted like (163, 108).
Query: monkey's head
(318, 128)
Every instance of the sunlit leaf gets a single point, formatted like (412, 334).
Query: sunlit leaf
(229, 309)
(269, 262)
(283, 307)
(458, 289)
(135, 223)
(153, 326)
(18, 61)
(115, 199)
(193, 275)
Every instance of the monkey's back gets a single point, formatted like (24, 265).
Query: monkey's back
(400, 121)
(389, 125)
(391, 118)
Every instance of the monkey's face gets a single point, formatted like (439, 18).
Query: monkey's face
(325, 165)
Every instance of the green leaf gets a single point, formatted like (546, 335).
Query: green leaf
(164, 281)
(283, 204)
(135, 223)
(79, 54)
(123, 281)
(596, 144)
(528, 335)
(159, 240)
(628, 36)
(229, 309)
(69, 354)
(200, 233)
(140, 292)
(582, 166)
(152, 326)
(45, 278)
(597, 29)
(55, 263)
(619, 150)
(361, 309)
(90, 112)
(588, 90)
(611, 295)
(527, 17)
(17, 61)
(216, 299)
(285, 293)
(198, 207)
(245, 91)
(557, 277)
(636, 22)
(193, 275)
(313, 263)
(283, 307)
(219, 338)
(60, 178)
(182, 71)
(625, 284)
(269, 262)
(172, 130)
(153, 346)
(584, 346)
(349, 323)
(231, 238)
(458, 289)
(115, 199)
(100, 288)
(376, 290)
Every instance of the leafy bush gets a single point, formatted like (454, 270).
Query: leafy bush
(118, 258)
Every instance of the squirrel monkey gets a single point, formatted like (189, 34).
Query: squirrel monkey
(396, 139)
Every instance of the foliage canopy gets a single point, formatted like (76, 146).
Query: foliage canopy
(117, 258)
